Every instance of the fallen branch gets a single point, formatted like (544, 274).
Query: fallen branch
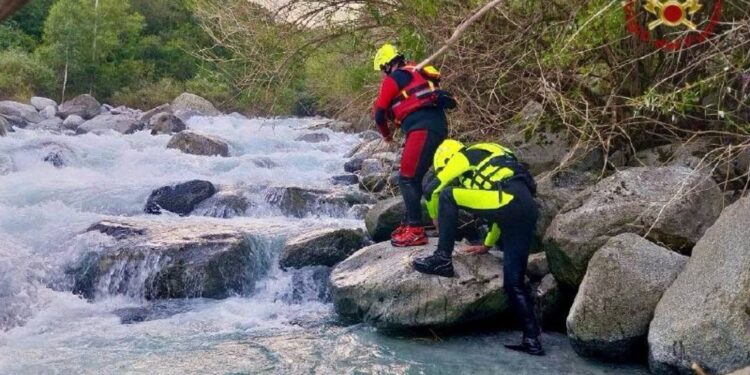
(459, 30)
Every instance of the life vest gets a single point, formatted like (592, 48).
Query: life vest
(421, 92)
(500, 167)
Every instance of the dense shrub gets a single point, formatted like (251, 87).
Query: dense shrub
(22, 76)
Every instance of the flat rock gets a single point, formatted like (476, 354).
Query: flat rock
(704, 316)
(669, 205)
(83, 105)
(123, 123)
(617, 298)
(191, 142)
(158, 260)
(378, 285)
(324, 247)
(20, 111)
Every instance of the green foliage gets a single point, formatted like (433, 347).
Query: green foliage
(22, 76)
(14, 38)
(30, 18)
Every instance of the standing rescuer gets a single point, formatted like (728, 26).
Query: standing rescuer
(488, 180)
(412, 99)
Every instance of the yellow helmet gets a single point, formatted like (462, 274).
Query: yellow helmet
(445, 152)
(385, 54)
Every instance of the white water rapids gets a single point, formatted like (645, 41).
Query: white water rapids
(281, 328)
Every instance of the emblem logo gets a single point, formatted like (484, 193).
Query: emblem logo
(676, 15)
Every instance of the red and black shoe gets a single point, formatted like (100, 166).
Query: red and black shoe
(400, 229)
(410, 236)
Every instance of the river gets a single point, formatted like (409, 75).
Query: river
(282, 327)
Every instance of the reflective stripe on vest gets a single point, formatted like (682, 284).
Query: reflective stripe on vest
(498, 166)
(419, 93)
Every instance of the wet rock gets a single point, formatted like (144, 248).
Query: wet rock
(165, 123)
(537, 267)
(48, 112)
(125, 124)
(263, 162)
(6, 165)
(228, 202)
(146, 116)
(313, 138)
(374, 183)
(324, 247)
(384, 217)
(19, 111)
(310, 285)
(617, 298)
(371, 166)
(84, 106)
(57, 154)
(347, 179)
(180, 199)
(41, 103)
(192, 102)
(294, 201)
(72, 122)
(670, 205)
(4, 127)
(191, 142)
(53, 125)
(704, 316)
(377, 285)
(551, 303)
(353, 165)
(158, 260)
(357, 211)
(367, 149)
(370, 135)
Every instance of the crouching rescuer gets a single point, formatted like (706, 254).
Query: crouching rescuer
(487, 180)
(411, 99)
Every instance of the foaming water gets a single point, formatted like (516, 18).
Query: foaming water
(285, 325)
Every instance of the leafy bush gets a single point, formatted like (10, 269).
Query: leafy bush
(22, 76)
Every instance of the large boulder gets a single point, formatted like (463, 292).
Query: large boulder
(378, 285)
(72, 122)
(20, 111)
(384, 217)
(191, 142)
(83, 105)
(181, 198)
(165, 123)
(125, 124)
(669, 205)
(704, 316)
(53, 124)
(300, 202)
(192, 102)
(41, 103)
(48, 112)
(156, 260)
(617, 298)
(324, 247)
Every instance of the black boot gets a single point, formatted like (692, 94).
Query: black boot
(434, 265)
(528, 345)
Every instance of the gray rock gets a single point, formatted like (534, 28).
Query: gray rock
(669, 205)
(537, 267)
(347, 179)
(180, 199)
(704, 316)
(378, 285)
(324, 247)
(228, 202)
(300, 202)
(72, 122)
(551, 303)
(617, 298)
(83, 105)
(49, 112)
(369, 135)
(374, 183)
(744, 371)
(384, 217)
(353, 165)
(554, 190)
(146, 116)
(359, 211)
(367, 149)
(192, 102)
(675, 154)
(165, 123)
(6, 165)
(191, 142)
(371, 166)
(125, 124)
(538, 148)
(4, 126)
(41, 103)
(20, 111)
(313, 138)
(264, 162)
(157, 260)
(53, 125)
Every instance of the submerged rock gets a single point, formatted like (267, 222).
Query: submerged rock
(165, 123)
(378, 285)
(181, 198)
(704, 316)
(324, 247)
(156, 260)
(313, 138)
(669, 205)
(228, 202)
(83, 105)
(24, 112)
(191, 142)
(191, 102)
(616, 301)
(124, 123)
(300, 202)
